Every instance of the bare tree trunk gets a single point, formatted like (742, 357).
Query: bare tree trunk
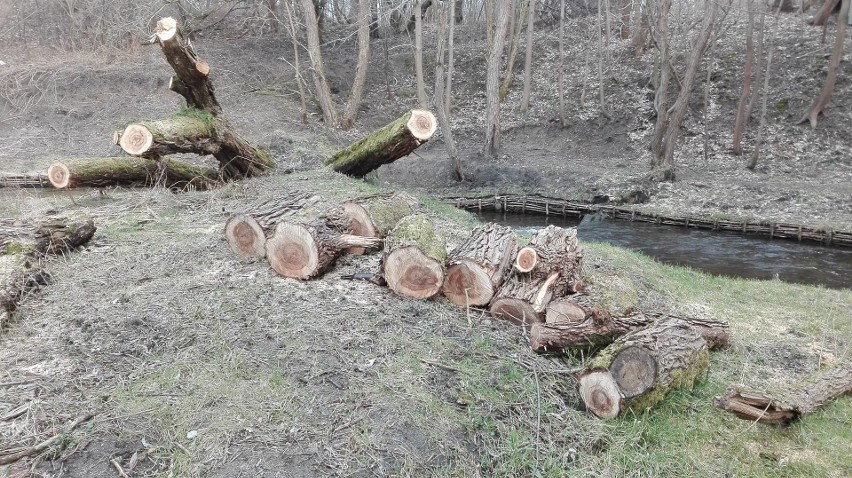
(706, 105)
(448, 101)
(626, 6)
(445, 15)
(758, 65)
(294, 37)
(329, 112)
(742, 118)
(661, 96)
(758, 143)
(600, 63)
(563, 119)
(640, 35)
(525, 99)
(664, 169)
(354, 102)
(418, 55)
(513, 52)
(833, 65)
(607, 23)
(492, 80)
(822, 15)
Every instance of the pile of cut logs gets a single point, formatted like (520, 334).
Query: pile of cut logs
(644, 356)
(198, 128)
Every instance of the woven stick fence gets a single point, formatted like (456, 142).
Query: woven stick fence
(8, 180)
(560, 207)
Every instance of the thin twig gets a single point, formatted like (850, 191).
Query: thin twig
(440, 365)
(118, 468)
(29, 451)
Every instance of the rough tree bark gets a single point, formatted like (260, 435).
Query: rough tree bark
(23, 247)
(385, 145)
(525, 98)
(492, 81)
(418, 55)
(370, 217)
(833, 65)
(524, 296)
(124, 171)
(626, 7)
(323, 92)
(413, 261)
(192, 80)
(783, 407)
(351, 111)
(513, 52)
(440, 98)
(246, 232)
(742, 113)
(479, 265)
(638, 370)
(308, 249)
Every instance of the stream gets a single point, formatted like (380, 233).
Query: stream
(719, 253)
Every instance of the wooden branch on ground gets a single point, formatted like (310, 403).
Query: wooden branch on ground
(246, 233)
(308, 249)
(413, 261)
(523, 297)
(126, 171)
(22, 247)
(783, 407)
(198, 132)
(640, 369)
(478, 266)
(372, 217)
(598, 328)
(385, 145)
(13, 455)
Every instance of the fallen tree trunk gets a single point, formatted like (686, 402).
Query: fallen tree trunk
(246, 232)
(372, 217)
(556, 269)
(640, 369)
(413, 261)
(23, 247)
(307, 250)
(783, 407)
(126, 171)
(385, 145)
(194, 131)
(598, 328)
(478, 266)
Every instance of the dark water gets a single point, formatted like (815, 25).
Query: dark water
(720, 253)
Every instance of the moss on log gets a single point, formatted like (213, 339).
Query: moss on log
(385, 145)
(369, 217)
(126, 171)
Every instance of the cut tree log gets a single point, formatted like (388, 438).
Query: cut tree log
(246, 233)
(385, 145)
(413, 261)
(598, 328)
(307, 250)
(555, 271)
(526, 260)
(23, 247)
(126, 171)
(198, 132)
(478, 266)
(193, 75)
(369, 217)
(564, 311)
(640, 369)
(786, 406)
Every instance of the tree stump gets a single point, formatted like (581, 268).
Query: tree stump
(478, 266)
(385, 145)
(555, 270)
(640, 369)
(307, 250)
(372, 217)
(598, 328)
(413, 261)
(783, 407)
(130, 171)
(246, 232)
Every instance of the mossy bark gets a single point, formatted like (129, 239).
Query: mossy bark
(646, 365)
(413, 262)
(382, 146)
(115, 171)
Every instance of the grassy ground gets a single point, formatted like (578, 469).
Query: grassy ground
(199, 364)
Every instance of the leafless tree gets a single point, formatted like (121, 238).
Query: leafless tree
(323, 92)
(351, 112)
(525, 99)
(445, 16)
(833, 65)
(418, 55)
(492, 81)
(742, 113)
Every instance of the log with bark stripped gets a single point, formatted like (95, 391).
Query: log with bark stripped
(23, 247)
(597, 328)
(385, 145)
(130, 171)
(783, 407)
(308, 249)
(246, 233)
(198, 132)
(413, 261)
(478, 266)
(640, 369)
(369, 217)
(556, 270)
